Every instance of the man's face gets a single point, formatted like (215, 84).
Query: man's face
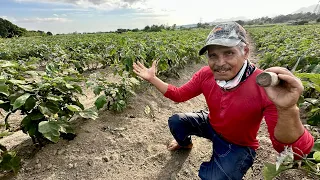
(226, 62)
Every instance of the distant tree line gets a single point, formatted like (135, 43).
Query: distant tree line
(203, 25)
(297, 18)
(9, 30)
(152, 28)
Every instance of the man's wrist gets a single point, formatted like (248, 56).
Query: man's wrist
(291, 108)
(152, 79)
(289, 117)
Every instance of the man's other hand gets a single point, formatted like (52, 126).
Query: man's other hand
(286, 94)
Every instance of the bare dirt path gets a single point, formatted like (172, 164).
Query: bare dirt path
(130, 145)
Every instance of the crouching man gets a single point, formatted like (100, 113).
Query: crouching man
(236, 105)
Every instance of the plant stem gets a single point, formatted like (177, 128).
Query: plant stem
(6, 120)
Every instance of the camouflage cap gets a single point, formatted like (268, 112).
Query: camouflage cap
(225, 34)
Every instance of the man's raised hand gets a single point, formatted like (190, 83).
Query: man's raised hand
(145, 73)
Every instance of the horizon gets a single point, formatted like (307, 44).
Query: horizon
(67, 16)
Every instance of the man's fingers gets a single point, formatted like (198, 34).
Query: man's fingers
(141, 65)
(285, 75)
(279, 70)
(155, 63)
(137, 72)
(137, 67)
(292, 81)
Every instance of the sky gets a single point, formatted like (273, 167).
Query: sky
(67, 16)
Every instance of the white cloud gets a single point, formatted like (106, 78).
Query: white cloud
(96, 4)
(4, 17)
(193, 6)
(87, 15)
(12, 19)
(60, 15)
(77, 2)
(192, 11)
(42, 20)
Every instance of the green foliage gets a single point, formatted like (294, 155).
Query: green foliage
(101, 101)
(285, 45)
(51, 129)
(308, 163)
(311, 96)
(115, 95)
(9, 161)
(89, 52)
(296, 48)
(270, 172)
(47, 100)
(42, 77)
(9, 30)
(297, 18)
(316, 146)
(203, 25)
(155, 28)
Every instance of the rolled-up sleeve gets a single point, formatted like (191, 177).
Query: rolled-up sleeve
(301, 146)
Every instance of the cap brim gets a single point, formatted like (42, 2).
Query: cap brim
(220, 42)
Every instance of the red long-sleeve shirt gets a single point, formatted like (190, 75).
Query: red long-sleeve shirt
(236, 114)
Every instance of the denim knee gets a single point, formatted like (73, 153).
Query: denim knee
(174, 121)
(178, 129)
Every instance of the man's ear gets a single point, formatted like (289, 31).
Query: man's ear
(246, 51)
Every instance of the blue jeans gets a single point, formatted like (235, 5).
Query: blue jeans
(228, 162)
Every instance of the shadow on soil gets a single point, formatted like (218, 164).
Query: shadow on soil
(174, 165)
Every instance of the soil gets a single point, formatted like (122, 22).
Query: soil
(130, 145)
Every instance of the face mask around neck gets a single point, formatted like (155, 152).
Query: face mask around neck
(236, 80)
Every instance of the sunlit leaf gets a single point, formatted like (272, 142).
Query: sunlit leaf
(316, 156)
(54, 97)
(6, 64)
(316, 146)
(74, 108)
(4, 89)
(50, 130)
(89, 114)
(270, 172)
(20, 101)
(69, 86)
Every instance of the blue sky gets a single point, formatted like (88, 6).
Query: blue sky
(65, 16)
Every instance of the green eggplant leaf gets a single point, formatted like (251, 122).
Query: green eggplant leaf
(20, 101)
(50, 130)
(74, 108)
(101, 101)
(4, 89)
(89, 114)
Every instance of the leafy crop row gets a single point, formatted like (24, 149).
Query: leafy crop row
(86, 52)
(298, 49)
(285, 45)
(41, 78)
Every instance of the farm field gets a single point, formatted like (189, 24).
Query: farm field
(64, 85)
